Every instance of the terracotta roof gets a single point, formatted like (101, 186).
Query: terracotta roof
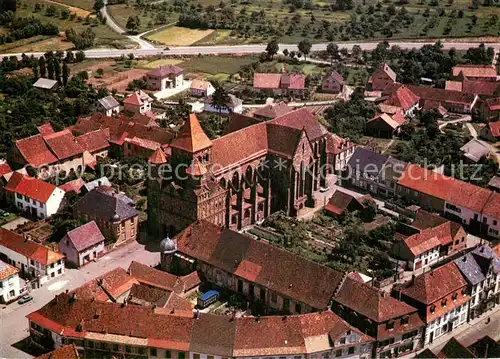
(480, 87)
(85, 236)
(273, 110)
(335, 76)
(283, 141)
(425, 290)
(35, 151)
(141, 294)
(137, 98)
(64, 352)
(446, 188)
(107, 287)
(158, 157)
(403, 97)
(495, 128)
(302, 119)
(73, 186)
(238, 121)
(442, 95)
(422, 242)
(254, 261)
(199, 84)
(492, 206)
(370, 302)
(94, 141)
(196, 169)
(386, 68)
(32, 250)
(6, 270)
(191, 281)
(33, 188)
(336, 144)
(45, 129)
(155, 278)
(387, 119)
(277, 81)
(191, 137)
(340, 201)
(63, 144)
(493, 103)
(453, 85)
(164, 71)
(475, 70)
(4, 168)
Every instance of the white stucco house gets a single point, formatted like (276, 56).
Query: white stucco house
(33, 196)
(33, 259)
(10, 287)
(83, 244)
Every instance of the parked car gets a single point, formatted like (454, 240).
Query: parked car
(25, 298)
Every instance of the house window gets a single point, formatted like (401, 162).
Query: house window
(298, 308)
(351, 350)
(495, 222)
(443, 302)
(90, 344)
(274, 297)
(116, 347)
(390, 325)
(405, 320)
(454, 297)
(342, 341)
(286, 304)
(141, 350)
(196, 356)
(433, 308)
(168, 354)
(338, 353)
(181, 355)
(128, 349)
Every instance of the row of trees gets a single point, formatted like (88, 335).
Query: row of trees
(24, 28)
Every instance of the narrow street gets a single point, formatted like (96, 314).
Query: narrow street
(12, 316)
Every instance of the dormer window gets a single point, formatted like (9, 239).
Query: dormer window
(464, 292)
(433, 308)
(390, 325)
(454, 297)
(443, 302)
(405, 320)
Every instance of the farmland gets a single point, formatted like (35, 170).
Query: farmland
(179, 36)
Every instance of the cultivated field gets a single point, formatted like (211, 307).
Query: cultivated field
(82, 4)
(163, 62)
(79, 11)
(179, 36)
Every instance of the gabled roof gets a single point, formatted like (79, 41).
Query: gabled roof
(191, 137)
(107, 287)
(155, 278)
(254, 261)
(4, 168)
(199, 84)
(283, 141)
(336, 144)
(475, 149)
(403, 97)
(29, 249)
(33, 188)
(335, 76)
(108, 102)
(385, 69)
(426, 290)
(481, 87)
(164, 71)
(492, 206)
(487, 258)
(442, 95)
(85, 236)
(370, 302)
(35, 151)
(63, 144)
(137, 98)
(470, 269)
(105, 206)
(475, 70)
(158, 157)
(393, 122)
(45, 129)
(273, 110)
(6, 270)
(277, 81)
(422, 242)
(367, 161)
(94, 141)
(454, 349)
(494, 128)
(340, 201)
(485, 347)
(302, 119)
(73, 186)
(103, 181)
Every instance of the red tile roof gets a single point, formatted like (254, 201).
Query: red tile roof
(63, 144)
(254, 261)
(29, 249)
(453, 85)
(436, 284)
(158, 157)
(73, 186)
(191, 281)
(137, 98)
(493, 103)
(446, 188)
(191, 137)
(94, 141)
(277, 81)
(33, 188)
(492, 206)
(155, 278)
(6, 270)
(273, 110)
(336, 144)
(85, 236)
(422, 242)
(403, 97)
(64, 352)
(480, 87)
(35, 151)
(442, 95)
(107, 287)
(302, 119)
(370, 302)
(393, 121)
(475, 70)
(45, 129)
(196, 169)
(4, 169)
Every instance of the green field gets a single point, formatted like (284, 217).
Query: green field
(217, 64)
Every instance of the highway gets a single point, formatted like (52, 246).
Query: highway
(255, 48)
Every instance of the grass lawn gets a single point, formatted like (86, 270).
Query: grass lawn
(162, 62)
(75, 8)
(121, 13)
(37, 43)
(82, 4)
(217, 64)
(179, 36)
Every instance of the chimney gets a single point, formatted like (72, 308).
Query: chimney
(257, 318)
(464, 259)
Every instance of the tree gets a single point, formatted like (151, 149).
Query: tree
(65, 73)
(80, 56)
(286, 52)
(272, 48)
(333, 52)
(70, 57)
(133, 23)
(100, 72)
(43, 66)
(369, 211)
(98, 5)
(305, 47)
(35, 68)
(220, 97)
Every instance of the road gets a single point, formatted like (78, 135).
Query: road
(12, 317)
(443, 124)
(249, 49)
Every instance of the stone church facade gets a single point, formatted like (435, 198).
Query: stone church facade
(240, 178)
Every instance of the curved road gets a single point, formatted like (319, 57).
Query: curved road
(256, 48)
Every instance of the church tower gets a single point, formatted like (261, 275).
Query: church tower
(187, 193)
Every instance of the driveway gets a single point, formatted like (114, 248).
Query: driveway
(13, 315)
